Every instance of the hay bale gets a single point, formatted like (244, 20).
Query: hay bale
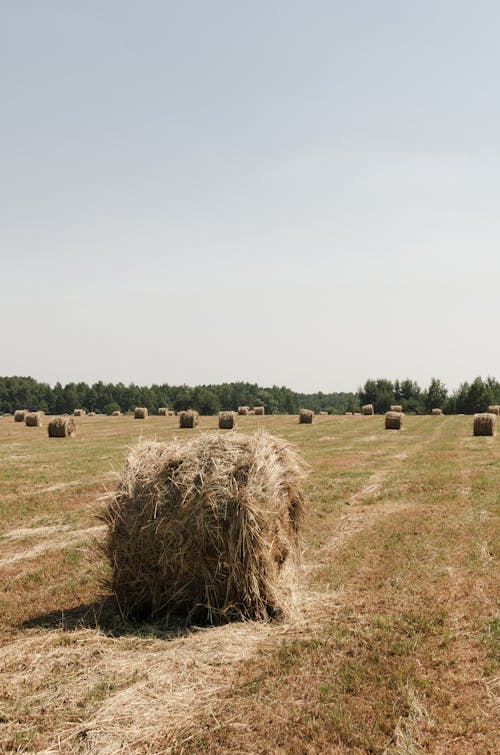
(171, 413)
(208, 529)
(494, 409)
(188, 419)
(396, 408)
(306, 416)
(394, 420)
(91, 414)
(259, 410)
(323, 414)
(485, 423)
(242, 410)
(116, 413)
(33, 419)
(79, 413)
(436, 412)
(140, 412)
(62, 427)
(348, 414)
(20, 415)
(368, 410)
(163, 411)
(226, 420)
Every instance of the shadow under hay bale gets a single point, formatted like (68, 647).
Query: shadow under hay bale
(242, 410)
(188, 419)
(208, 529)
(20, 415)
(226, 420)
(62, 427)
(368, 410)
(259, 411)
(140, 412)
(494, 409)
(396, 408)
(33, 419)
(485, 423)
(394, 420)
(306, 416)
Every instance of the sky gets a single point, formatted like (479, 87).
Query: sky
(290, 192)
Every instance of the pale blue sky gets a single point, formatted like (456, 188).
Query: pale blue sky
(301, 193)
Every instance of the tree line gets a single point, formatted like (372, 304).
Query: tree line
(104, 398)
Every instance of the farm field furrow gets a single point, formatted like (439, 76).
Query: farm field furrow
(395, 638)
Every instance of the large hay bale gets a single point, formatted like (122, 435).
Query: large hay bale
(396, 408)
(62, 427)
(494, 409)
(20, 415)
(188, 419)
(485, 423)
(226, 420)
(207, 528)
(242, 410)
(394, 420)
(306, 416)
(79, 412)
(259, 410)
(33, 419)
(140, 412)
(436, 412)
(162, 411)
(368, 410)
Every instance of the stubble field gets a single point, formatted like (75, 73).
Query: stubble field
(394, 645)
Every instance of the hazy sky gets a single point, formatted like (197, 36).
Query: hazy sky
(300, 193)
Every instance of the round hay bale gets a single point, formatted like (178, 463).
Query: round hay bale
(242, 410)
(436, 412)
(91, 414)
(33, 419)
(494, 409)
(79, 413)
(116, 413)
(188, 419)
(485, 423)
(368, 410)
(348, 414)
(259, 410)
(394, 420)
(323, 414)
(396, 408)
(163, 411)
(306, 416)
(140, 412)
(20, 415)
(208, 529)
(226, 420)
(62, 427)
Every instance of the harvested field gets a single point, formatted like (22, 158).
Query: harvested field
(393, 645)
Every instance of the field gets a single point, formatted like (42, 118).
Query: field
(395, 643)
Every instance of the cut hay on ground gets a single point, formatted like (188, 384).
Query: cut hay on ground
(79, 412)
(396, 408)
(436, 412)
(242, 410)
(208, 529)
(368, 409)
(188, 419)
(226, 420)
(259, 410)
(494, 409)
(140, 412)
(116, 413)
(306, 416)
(62, 427)
(163, 411)
(20, 415)
(485, 423)
(33, 419)
(394, 420)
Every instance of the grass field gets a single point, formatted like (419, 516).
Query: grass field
(395, 643)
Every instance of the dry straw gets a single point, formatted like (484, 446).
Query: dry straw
(79, 412)
(140, 412)
(33, 419)
(242, 410)
(396, 408)
(485, 423)
(188, 419)
(20, 415)
(368, 409)
(436, 412)
(306, 416)
(208, 529)
(226, 420)
(394, 420)
(163, 411)
(494, 409)
(62, 427)
(259, 410)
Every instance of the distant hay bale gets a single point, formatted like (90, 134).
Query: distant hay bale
(242, 410)
(436, 412)
(306, 416)
(62, 427)
(485, 423)
(394, 420)
(163, 411)
(348, 414)
(208, 529)
(323, 413)
(20, 415)
(259, 410)
(91, 414)
(368, 409)
(396, 408)
(188, 419)
(226, 420)
(79, 413)
(116, 413)
(171, 413)
(494, 409)
(251, 412)
(33, 419)
(140, 412)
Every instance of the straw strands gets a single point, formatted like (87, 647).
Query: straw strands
(208, 529)
(485, 423)
(62, 427)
